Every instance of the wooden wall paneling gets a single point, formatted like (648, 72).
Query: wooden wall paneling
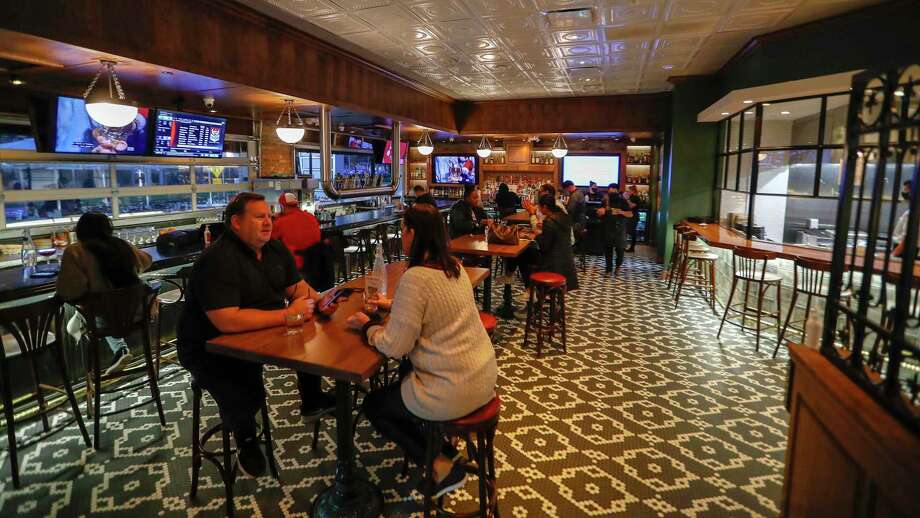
(517, 152)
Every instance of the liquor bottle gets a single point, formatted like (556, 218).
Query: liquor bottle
(207, 236)
(27, 254)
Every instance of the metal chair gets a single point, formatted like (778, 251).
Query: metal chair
(176, 286)
(118, 313)
(30, 325)
(750, 267)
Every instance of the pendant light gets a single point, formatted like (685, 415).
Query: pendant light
(485, 147)
(109, 110)
(289, 133)
(560, 149)
(425, 146)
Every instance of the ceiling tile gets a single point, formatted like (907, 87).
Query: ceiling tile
(502, 25)
(683, 9)
(760, 22)
(630, 13)
(578, 36)
(585, 61)
(357, 5)
(689, 27)
(767, 5)
(583, 17)
(493, 7)
(626, 32)
(578, 50)
(411, 35)
(440, 11)
(390, 16)
(342, 24)
(307, 9)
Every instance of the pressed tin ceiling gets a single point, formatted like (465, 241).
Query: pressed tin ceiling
(499, 49)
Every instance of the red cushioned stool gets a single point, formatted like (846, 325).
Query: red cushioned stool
(482, 423)
(488, 321)
(546, 309)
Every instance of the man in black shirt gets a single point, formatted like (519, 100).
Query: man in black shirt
(243, 282)
(467, 215)
(614, 215)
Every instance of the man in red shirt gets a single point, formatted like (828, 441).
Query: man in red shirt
(297, 229)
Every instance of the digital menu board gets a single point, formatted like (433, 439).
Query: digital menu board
(188, 134)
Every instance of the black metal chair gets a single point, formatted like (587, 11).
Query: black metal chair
(118, 313)
(30, 325)
(176, 285)
(223, 458)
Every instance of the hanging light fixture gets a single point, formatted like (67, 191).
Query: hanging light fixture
(109, 110)
(289, 133)
(425, 146)
(560, 149)
(485, 147)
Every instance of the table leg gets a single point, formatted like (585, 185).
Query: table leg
(487, 294)
(349, 496)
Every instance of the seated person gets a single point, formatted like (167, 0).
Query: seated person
(418, 190)
(426, 197)
(467, 215)
(99, 261)
(434, 322)
(243, 282)
(506, 201)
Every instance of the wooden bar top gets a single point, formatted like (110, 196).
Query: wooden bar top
(325, 347)
(476, 244)
(721, 237)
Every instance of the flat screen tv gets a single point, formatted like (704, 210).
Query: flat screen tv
(188, 134)
(359, 143)
(458, 169)
(583, 169)
(388, 152)
(76, 132)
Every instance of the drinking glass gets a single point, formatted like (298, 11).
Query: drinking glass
(370, 305)
(294, 323)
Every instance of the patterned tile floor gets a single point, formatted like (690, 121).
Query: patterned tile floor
(647, 415)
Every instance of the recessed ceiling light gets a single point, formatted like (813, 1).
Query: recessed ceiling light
(766, 104)
(748, 101)
(749, 113)
(16, 81)
(667, 67)
(784, 113)
(725, 113)
(899, 92)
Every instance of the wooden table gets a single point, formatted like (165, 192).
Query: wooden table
(519, 217)
(326, 347)
(477, 245)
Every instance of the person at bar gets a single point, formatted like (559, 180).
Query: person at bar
(634, 200)
(614, 215)
(593, 194)
(297, 229)
(99, 261)
(418, 190)
(434, 322)
(243, 282)
(575, 206)
(467, 215)
(506, 201)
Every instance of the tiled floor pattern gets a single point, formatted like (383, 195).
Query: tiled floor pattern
(647, 415)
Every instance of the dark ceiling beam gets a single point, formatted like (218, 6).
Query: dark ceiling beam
(225, 40)
(627, 113)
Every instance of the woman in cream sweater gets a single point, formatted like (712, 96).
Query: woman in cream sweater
(434, 322)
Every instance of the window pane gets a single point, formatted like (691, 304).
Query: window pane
(154, 204)
(792, 123)
(804, 221)
(35, 211)
(832, 163)
(37, 176)
(733, 209)
(734, 133)
(786, 172)
(744, 174)
(211, 200)
(866, 179)
(234, 149)
(835, 123)
(723, 136)
(137, 175)
(732, 172)
(747, 137)
(221, 175)
(720, 172)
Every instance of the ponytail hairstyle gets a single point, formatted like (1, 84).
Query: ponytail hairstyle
(116, 257)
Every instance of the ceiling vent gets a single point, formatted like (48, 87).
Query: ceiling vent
(574, 18)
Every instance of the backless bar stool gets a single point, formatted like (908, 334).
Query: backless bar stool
(808, 280)
(697, 269)
(750, 268)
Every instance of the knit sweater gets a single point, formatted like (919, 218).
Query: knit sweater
(435, 322)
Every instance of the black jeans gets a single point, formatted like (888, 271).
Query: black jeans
(618, 243)
(526, 262)
(236, 386)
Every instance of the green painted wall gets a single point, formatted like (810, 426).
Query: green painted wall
(688, 175)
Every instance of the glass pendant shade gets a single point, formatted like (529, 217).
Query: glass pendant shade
(485, 147)
(111, 110)
(425, 146)
(560, 149)
(290, 135)
(289, 132)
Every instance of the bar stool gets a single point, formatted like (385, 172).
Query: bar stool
(676, 253)
(359, 249)
(118, 313)
(580, 247)
(175, 282)
(223, 458)
(30, 325)
(808, 280)
(381, 235)
(699, 267)
(482, 424)
(546, 309)
(750, 267)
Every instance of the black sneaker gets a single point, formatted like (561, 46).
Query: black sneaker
(121, 360)
(249, 457)
(318, 406)
(453, 481)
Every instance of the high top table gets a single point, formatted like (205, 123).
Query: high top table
(518, 218)
(473, 244)
(327, 347)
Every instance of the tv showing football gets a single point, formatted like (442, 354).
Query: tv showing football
(76, 132)
(455, 169)
(188, 134)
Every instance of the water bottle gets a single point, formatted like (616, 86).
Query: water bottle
(380, 271)
(814, 328)
(28, 253)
